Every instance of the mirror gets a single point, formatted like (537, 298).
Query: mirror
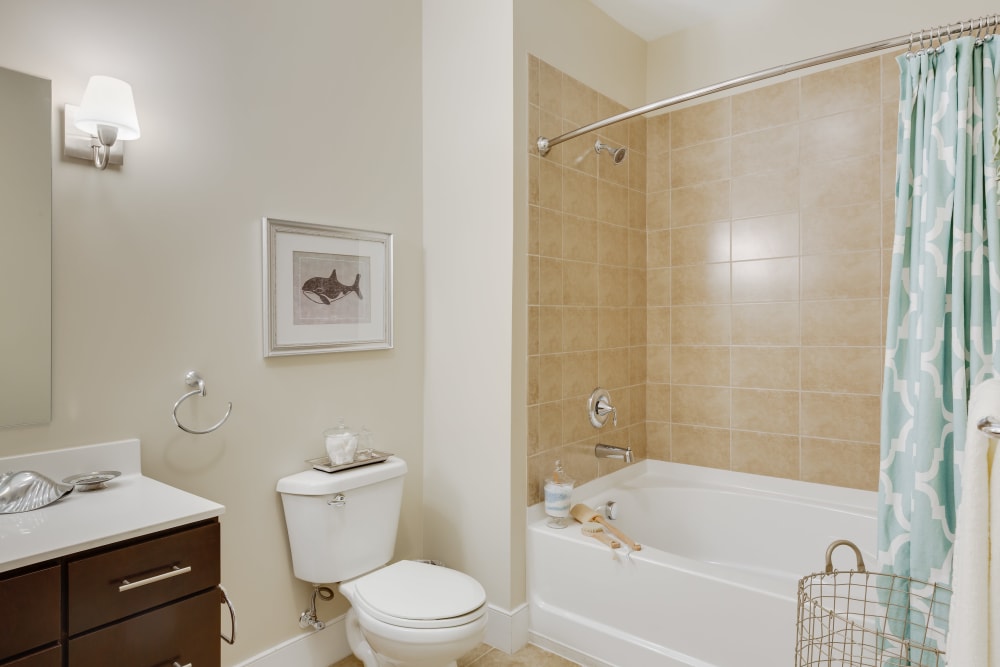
(26, 249)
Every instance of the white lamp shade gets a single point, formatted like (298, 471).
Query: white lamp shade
(108, 101)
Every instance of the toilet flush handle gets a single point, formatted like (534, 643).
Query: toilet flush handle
(338, 500)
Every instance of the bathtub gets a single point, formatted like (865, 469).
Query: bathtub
(715, 583)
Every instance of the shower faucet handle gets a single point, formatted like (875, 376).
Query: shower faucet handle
(599, 407)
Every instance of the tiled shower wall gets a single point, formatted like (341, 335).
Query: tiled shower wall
(768, 229)
(587, 279)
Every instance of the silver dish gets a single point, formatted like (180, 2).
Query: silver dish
(91, 481)
(28, 490)
(362, 458)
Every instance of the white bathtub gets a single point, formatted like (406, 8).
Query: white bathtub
(716, 580)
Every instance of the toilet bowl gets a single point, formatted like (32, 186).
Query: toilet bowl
(342, 528)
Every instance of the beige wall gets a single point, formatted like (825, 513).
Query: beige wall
(304, 110)
(787, 31)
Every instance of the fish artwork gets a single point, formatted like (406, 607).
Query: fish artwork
(328, 290)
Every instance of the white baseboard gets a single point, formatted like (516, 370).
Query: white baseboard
(507, 630)
(318, 648)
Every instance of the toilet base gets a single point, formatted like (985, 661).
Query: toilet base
(396, 654)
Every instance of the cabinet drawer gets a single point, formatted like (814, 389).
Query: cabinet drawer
(29, 610)
(185, 632)
(152, 572)
(50, 657)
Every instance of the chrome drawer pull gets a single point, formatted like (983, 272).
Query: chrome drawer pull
(174, 571)
(177, 664)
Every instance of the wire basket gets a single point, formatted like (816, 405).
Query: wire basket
(857, 618)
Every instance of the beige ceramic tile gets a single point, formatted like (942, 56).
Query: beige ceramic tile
(700, 325)
(852, 275)
(658, 363)
(579, 373)
(637, 364)
(637, 248)
(550, 185)
(766, 324)
(533, 180)
(766, 237)
(549, 425)
(777, 104)
(532, 79)
(612, 285)
(766, 280)
(700, 406)
(549, 232)
(848, 134)
(840, 463)
(607, 107)
(658, 214)
(775, 148)
(657, 440)
(579, 194)
(637, 326)
(635, 165)
(550, 371)
(533, 129)
(766, 410)
(612, 369)
(549, 88)
(533, 447)
(658, 173)
(890, 129)
(700, 365)
(658, 402)
(841, 182)
(658, 287)
(841, 88)
(890, 75)
(533, 380)
(766, 454)
(579, 283)
(637, 133)
(575, 425)
(848, 322)
(579, 329)
(579, 102)
(613, 328)
(533, 286)
(612, 203)
(657, 134)
(579, 241)
(698, 204)
(700, 284)
(841, 228)
(550, 282)
(851, 417)
(612, 244)
(700, 123)
(766, 193)
(700, 244)
(700, 446)
(658, 326)
(854, 370)
(637, 210)
(700, 163)
(766, 367)
(658, 249)
(533, 330)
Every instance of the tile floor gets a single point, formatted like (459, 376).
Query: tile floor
(487, 656)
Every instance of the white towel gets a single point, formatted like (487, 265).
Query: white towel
(974, 622)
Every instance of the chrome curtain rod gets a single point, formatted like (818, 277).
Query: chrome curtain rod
(924, 39)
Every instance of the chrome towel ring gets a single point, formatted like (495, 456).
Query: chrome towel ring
(194, 379)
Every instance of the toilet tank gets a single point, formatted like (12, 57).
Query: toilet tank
(343, 524)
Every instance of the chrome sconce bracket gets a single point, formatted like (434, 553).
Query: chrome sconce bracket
(79, 145)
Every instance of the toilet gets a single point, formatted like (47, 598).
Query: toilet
(342, 529)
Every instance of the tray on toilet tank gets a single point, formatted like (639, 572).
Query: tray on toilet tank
(324, 464)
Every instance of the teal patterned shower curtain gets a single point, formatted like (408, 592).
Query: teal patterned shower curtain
(944, 297)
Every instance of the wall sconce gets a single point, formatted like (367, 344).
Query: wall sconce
(106, 117)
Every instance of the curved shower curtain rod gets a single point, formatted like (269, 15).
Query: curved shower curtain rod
(923, 39)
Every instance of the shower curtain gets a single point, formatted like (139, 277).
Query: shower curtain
(944, 297)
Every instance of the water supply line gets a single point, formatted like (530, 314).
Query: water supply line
(308, 617)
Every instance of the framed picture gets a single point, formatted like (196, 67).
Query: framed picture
(326, 289)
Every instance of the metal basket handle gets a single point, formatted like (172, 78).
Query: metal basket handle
(834, 545)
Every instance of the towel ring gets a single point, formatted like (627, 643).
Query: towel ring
(193, 379)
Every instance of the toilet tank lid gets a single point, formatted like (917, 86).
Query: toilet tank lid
(318, 483)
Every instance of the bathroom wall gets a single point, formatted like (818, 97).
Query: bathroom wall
(303, 110)
(770, 220)
(586, 279)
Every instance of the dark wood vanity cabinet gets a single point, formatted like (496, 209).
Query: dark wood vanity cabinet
(150, 601)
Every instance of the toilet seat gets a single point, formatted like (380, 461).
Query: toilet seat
(418, 595)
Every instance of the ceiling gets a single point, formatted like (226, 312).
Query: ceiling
(652, 19)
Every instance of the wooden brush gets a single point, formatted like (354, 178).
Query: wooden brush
(585, 515)
(594, 530)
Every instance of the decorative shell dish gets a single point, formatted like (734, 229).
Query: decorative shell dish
(28, 490)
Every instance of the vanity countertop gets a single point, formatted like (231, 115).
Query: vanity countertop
(130, 506)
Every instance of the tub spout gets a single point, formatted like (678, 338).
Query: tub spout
(612, 452)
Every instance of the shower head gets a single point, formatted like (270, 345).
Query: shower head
(618, 154)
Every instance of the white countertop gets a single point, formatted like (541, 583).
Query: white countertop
(131, 505)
